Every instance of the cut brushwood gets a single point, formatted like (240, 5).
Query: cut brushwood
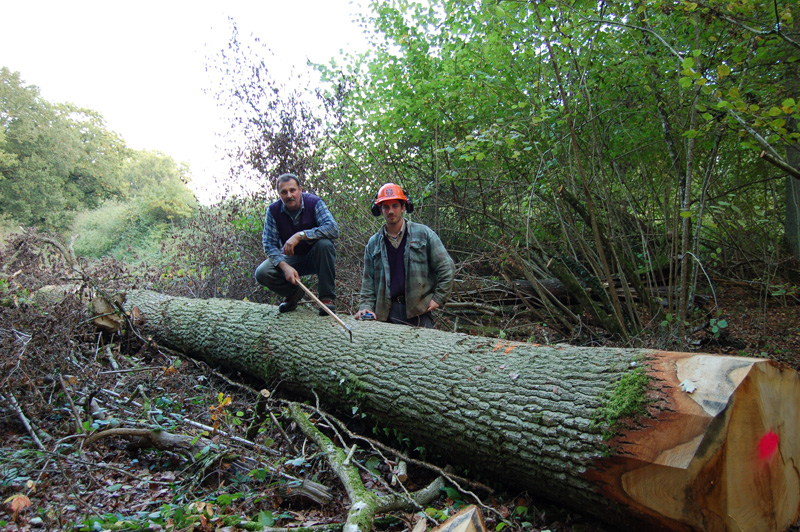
(194, 446)
(707, 442)
(364, 504)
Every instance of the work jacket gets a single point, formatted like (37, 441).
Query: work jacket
(429, 272)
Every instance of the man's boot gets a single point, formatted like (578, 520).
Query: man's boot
(290, 303)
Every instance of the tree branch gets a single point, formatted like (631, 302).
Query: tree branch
(780, 163)
(364, 504)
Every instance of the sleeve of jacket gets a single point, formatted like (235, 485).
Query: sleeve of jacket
(443, 267)
(270, 240)
(326, 225)
(368, 299)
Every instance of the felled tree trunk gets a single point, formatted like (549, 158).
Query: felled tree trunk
(723, 457)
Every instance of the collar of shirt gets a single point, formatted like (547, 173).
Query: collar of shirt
(294, 215)
(395, 241)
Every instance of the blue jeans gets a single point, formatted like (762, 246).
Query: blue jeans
(319, 261)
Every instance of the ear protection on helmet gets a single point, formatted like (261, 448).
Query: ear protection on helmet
(387, 192)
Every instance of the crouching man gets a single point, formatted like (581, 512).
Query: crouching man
(298, 236)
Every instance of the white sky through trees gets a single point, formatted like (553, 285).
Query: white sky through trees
(142, 64)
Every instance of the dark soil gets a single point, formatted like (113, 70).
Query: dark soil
(759, 325)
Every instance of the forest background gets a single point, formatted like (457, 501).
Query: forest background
(602, 174)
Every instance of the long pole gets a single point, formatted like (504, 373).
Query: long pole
(324, 307)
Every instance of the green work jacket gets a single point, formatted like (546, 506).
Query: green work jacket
(429, 272)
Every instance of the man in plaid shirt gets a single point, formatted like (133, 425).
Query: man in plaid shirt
(407, 270)
(298, 236)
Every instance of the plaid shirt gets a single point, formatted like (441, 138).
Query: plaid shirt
(271, 240)
(429, 272)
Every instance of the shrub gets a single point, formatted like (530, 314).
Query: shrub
(131, 230)
(216, 252)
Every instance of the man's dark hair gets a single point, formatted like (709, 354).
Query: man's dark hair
(287, 177)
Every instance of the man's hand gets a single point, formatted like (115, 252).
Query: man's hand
(433, 305)
(288, 247)
(290, 273)
(365, 314)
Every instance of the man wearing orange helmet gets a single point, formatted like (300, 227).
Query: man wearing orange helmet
(407, 270)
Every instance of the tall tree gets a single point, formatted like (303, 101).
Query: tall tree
(158, 184)
(56, 158)
(792, 83)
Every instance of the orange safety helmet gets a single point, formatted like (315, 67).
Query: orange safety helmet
(390, 192)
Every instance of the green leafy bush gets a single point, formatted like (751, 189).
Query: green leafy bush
(132, 229)
(99, 229)
(216, 252)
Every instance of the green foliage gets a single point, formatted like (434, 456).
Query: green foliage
(144, 172)
(55, 159)
(434, 513)
(453, 494)
(58, 160)
(116, 229)
(100, 230)
(717, 326)
(166, 203)
(7, 230)
(520, 517)
(653, 115)
(216, 251)
(169, 516)
(786, 291)
(670, 320)
(137, 226)
(13, 470)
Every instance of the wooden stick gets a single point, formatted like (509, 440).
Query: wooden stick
(324, 307)
(75, 413)
(25, 423)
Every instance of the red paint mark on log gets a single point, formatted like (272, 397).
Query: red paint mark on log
(768, 446)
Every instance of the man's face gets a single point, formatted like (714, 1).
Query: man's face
(393, 211)
(289, 192)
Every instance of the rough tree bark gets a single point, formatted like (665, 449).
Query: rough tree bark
(723, 457)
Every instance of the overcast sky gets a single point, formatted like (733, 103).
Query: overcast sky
(142, 64)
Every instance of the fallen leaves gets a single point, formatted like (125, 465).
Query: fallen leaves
(18, 503)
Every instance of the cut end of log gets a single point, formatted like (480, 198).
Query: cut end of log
(724, 457)
(763, 481)
(468, 519)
